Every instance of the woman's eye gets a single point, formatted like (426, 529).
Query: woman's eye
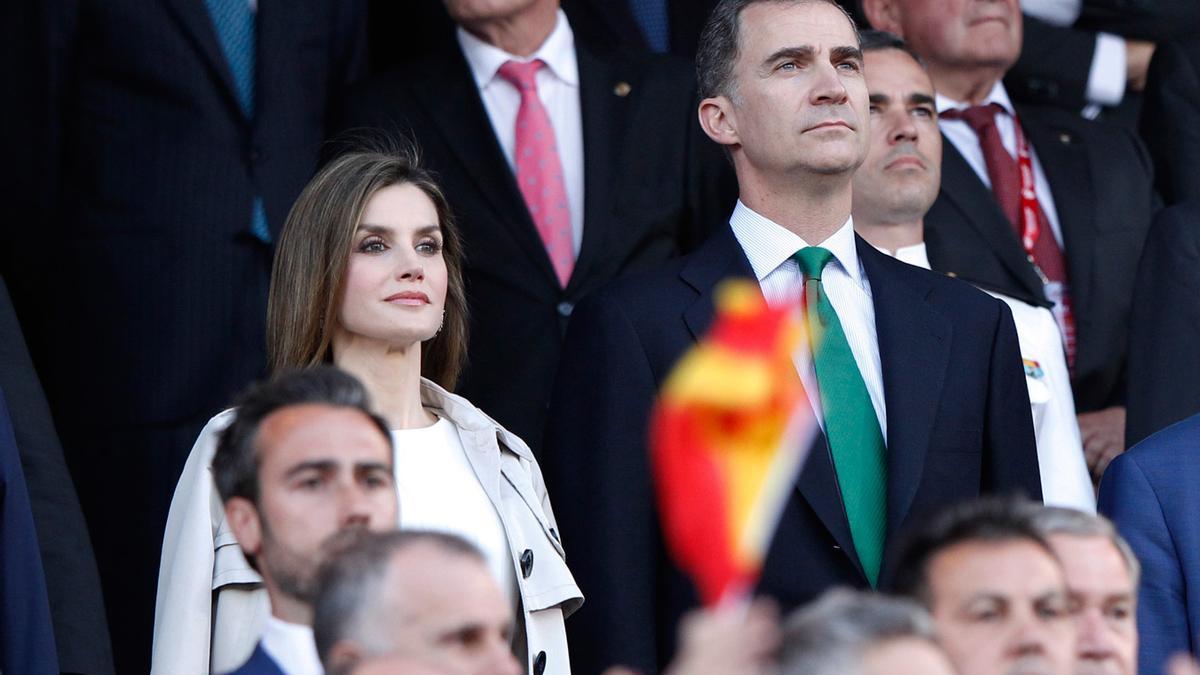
(429, 247)
(372, 245)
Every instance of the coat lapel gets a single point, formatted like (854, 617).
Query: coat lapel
(605, 115)
(1064, 160)
(914, 346)
(452, 102)
(720, 258)
(195, 21)
(981, 213)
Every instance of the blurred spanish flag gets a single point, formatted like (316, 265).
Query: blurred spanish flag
(728, 437)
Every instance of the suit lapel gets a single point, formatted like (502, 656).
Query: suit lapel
(195, 21)
(452, 102)
(1064, 160)
(605, 116)
(980, 211)
(914, 346)
(720, 258)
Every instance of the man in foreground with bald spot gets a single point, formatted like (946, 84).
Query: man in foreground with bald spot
(916, 384)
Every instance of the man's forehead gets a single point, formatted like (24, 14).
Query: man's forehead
(317, 428)
(893, 72)
(768, 26)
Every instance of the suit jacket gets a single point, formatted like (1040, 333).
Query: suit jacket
(958, 425)
(1150, 494)
(1171, 119)
(260, 663)
(156, 169)
(72, 581)
(1165, 326)
(652, 186)
(26, 630)
(611, 22)
(1100, 179)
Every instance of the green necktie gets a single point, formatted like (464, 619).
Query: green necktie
(859, 453)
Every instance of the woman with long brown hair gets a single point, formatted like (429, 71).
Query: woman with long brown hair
(368, 276)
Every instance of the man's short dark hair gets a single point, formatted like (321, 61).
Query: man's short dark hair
(876, 40)
(990, 519)
(235, 464)
(350, 585)
(719, 43)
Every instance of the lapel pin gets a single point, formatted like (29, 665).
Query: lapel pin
(1065, 139)
(951, 274)
(622, 89)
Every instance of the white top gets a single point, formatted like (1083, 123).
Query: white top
(1064, 474)
(291, 647)
(770, 247)
(1106, 76)
(439, 490)
(558, 89)
(966, 142)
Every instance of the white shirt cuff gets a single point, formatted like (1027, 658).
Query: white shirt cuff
(1106, 78)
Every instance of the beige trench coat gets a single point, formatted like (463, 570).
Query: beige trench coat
(211, 605)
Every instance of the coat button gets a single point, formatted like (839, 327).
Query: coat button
(527, 563)
(539, 663)
(565, 309)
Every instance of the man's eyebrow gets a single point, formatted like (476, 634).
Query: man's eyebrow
(316, 465)
(881, 99)
(846, 54)
(800, 52)
(922, 99)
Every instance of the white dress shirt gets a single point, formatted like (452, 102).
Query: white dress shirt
(770, 247)
(558, 89)
(959, 133)
(1064, 474)
(439, 491)
(1106, 75)
(291, 647)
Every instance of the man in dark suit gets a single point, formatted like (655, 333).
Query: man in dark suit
(641, 184)
(72, 582)
(179, 133)
(1150, 494)
(926, 405)
(1060, 224)
(1165, 325)
(660, 26)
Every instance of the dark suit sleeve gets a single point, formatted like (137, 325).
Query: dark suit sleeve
(1171, 119)
(595, 458)
(66, 550)
(1153, 20)
(349, 58)
(1164, 329)
(1010, 448)
(1128, 498)
(1053, 67)
(26, 632)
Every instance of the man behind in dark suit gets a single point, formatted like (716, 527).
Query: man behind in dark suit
(303, 461)
(929, 376)
(172, 138)
(1150, 494)
(641, 183)
(1063, 227)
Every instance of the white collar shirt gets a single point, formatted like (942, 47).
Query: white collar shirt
(769, 248)
(291, 647)
(558, 90)
(960, 134)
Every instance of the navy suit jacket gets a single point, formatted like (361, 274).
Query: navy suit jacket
(26, 631)
(1151, 493)
(958, 425)
(259, 664)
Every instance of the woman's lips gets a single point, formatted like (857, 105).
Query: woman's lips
(409, 298)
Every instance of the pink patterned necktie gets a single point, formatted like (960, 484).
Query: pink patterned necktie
(539, 170)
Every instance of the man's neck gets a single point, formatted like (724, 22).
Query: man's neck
(520, 34)
(812, 208)
(890, 236)
(965, 86)
(288, 609)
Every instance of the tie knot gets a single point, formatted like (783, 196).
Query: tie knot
(978, 117)
(813, 259)
(522, 75)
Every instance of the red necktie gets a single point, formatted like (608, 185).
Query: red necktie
(1004, 172)
(539, 169)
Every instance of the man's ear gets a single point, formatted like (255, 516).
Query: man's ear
(883, 15)
(718, 121)
(244, 520)
(344, 656)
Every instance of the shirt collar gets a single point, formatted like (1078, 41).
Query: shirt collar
(291, 646)
(998, 95)
(913, 255)
(769, 245)
(558, 53)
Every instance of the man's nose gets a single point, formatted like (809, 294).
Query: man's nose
(1095, 637)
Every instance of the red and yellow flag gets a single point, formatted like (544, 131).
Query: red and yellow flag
(728, 436)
